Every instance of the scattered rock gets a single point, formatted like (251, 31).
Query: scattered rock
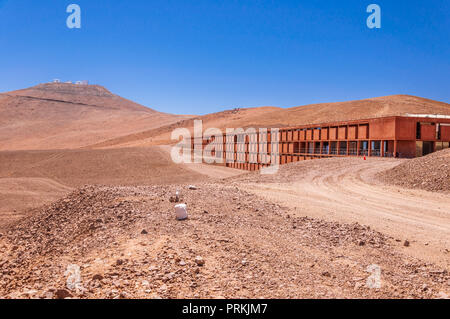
(97, 277)
(406, 243)
(163, 288)
(358, 285)
(199, 261)
(442, 295)
(174, 199)
(144, 232)
(29, 293)
(48, 295)
(124, 295)
(62, 294)
(193, 188)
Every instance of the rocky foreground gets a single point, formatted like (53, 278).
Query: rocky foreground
(124, 242)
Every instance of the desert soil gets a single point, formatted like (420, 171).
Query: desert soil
(128, 244)
(321, 236)
(29, 179)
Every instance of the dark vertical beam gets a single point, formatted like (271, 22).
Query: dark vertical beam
(395, 148)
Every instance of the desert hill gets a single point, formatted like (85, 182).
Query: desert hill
(278, 117)
(128, 244)
(354, 110)
(162, 135)
(67, 116)
(29, 179)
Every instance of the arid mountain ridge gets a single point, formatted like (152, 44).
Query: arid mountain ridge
(67, 116)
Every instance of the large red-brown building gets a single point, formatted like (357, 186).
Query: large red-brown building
(396, 136)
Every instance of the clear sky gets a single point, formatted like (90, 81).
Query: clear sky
(202, 56)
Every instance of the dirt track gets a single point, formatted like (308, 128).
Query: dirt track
(345, 190)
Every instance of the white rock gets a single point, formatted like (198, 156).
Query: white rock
(443, 295)
(181, 211)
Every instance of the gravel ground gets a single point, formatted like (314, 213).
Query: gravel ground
(126, 243)
(431, 173)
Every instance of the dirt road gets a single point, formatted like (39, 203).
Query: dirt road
(346, 190)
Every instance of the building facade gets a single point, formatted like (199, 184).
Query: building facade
(396, 136)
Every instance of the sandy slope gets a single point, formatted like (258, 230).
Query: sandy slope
(66, 116)
(162, 135)
(277, 117)
(29, 179)
(352, 110)
(18, 195)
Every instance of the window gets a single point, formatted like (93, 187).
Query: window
(376, 148)
(296, 148)
(353, 148)
(342, 148)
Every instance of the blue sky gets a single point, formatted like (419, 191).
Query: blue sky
(202, 56)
